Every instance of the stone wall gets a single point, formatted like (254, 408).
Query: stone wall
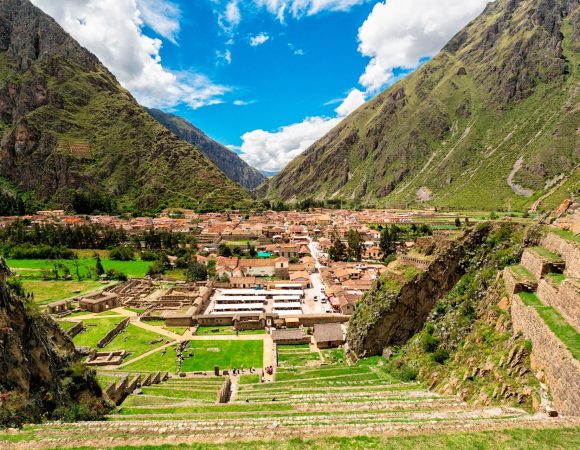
(562, 370)
(113, 333)
(535, 263)
(223, 396)
(565, 298)
(569, 250)
(80, 326)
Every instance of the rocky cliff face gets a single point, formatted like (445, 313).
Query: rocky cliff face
(69, 130)
(391, 317)
(235, 168)
(451, 326)
(40, 371)
(489, 122)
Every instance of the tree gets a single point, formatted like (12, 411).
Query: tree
(77, 267)
(122, 253)
(252, 253)
(355, 245)
(389, 237)
(457, 222)
(99, 266)
(337, 250)
(224, 250)
(196, 272)
(237, 251)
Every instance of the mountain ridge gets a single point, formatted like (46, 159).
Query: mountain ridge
(71, 135)
(504, 89)
(235, 168)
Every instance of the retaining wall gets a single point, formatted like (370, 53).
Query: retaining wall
(551, 356)
(569, 251)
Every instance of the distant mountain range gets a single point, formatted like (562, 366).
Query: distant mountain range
(491, 121)
(72, 137)
(231, 164)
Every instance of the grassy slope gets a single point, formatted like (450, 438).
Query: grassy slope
(424, 139)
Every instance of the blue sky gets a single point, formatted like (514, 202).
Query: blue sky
(265, 77)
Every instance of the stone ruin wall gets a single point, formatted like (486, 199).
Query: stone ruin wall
(551, 356)
(568, 251)
(113, 333)
(564, 298)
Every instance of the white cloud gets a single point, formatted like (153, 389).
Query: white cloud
(244, 102)
(271, 151)
(112, 30)
(259, 39)
(161, 16)
(232, 16)
(299, 8)
(353, 100)
(399, 33)
(225, 56)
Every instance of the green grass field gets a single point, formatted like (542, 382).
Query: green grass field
(205, 355)
(224, 330)
(136, 341)
(50, 291)
(297, 356)
(559, 326)
(32, 268)
(95, 331)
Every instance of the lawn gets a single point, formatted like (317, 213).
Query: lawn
(224, 330)
(50, 291)
(32, 268)
(559, 326)
(565, 234)
(204, 356)
(224, 354)
(296, 356)
(95, 331)
(136, 341)
(334, 356)
(556, 278)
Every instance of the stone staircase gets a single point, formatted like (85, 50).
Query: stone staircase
(545, 308)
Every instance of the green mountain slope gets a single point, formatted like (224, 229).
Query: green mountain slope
(74, 137)
(231, 164)
(490, 122)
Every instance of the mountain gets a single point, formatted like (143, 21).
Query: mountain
(73, 137)
(232, 165)
(490, 122)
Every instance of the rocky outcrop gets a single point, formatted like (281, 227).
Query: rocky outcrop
(386, 318)
(40, 371)
(235, 168)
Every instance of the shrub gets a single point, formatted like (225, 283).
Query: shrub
(148, 255)
(29, 251)
(429, 343)
(113, 274)
(440, 356)
(122, 253)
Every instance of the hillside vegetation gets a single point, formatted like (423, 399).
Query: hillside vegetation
(490, 122)
(229, 163)
(72, 135)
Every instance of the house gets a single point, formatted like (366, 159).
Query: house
(301, 277)
(373, 252)
(258, 267)
(328, 335)
(243, 282)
